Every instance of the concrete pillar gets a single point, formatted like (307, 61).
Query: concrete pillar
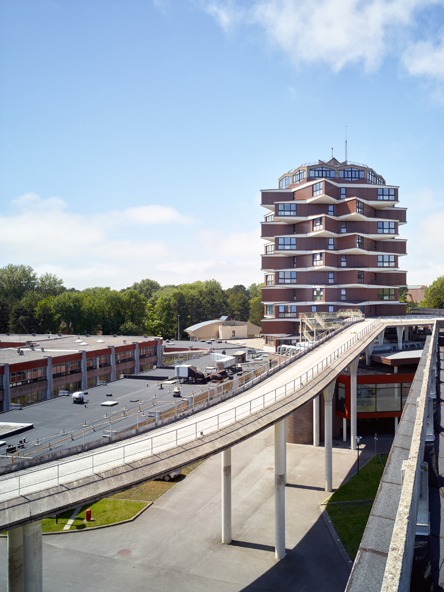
(226, 496)
(6, 388)
(15, 560)
(279, 489)
(32, 557)
(344, 429)
(316, 438)
(113, 363)
(395, 369)
(136, 358)
(328, 438)
(84, 371)
(368, 354)
(49, 379)
(381, 338)
(159, 353)
(353, 369)
(396, 424)
(399, 333)
(284, 421)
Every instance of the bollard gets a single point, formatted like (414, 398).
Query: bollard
(88, 515)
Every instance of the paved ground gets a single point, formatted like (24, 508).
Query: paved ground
(175, 545)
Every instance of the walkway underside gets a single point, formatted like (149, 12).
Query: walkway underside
(34, 506)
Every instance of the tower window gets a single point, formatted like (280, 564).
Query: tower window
(286, 244)
(317, 188)
(386, 194)
(318, 259)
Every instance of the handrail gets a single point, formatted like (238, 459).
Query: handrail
(87, 465)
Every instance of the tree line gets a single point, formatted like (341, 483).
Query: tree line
(32, 303)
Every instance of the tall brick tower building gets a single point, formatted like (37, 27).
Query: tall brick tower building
(332, 242)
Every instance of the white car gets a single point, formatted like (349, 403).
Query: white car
(169, 476)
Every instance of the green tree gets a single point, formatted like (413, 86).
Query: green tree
(68, 310)
(16, 280)
(434, 294)
(146, 287)
(133, 307)
(46, 318)
(49, 284)
(256, 311)
(129, 328)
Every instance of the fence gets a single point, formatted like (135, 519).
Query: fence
(37, 478)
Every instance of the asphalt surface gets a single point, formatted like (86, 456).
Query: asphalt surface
(58, 423)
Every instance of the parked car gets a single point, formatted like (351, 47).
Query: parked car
(169, 476)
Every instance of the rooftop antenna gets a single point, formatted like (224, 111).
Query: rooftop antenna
(345, 144)
(332, 152)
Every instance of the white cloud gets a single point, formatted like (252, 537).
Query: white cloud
(91, 250)
(335, 33)
(425, 59)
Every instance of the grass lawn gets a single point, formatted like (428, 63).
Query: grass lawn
(350, 519)
(116, 508)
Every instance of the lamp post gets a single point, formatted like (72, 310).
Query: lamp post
(358, 441)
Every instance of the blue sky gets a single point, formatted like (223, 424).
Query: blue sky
(136, 135)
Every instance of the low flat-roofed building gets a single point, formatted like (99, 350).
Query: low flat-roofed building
(223, 329)
(38, 367)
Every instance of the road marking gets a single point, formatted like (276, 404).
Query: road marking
(73, 517)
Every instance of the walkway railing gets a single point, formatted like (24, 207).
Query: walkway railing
(42, 477)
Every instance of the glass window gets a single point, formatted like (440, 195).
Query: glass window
(269, 280)
(317, 258)
(317, 188)
(269, 309)
(406, 386)
(284, 182)
(359, 207)
(371, 177)
(386, 261)
(343, 294)
(318, 294)
(331, 277)
(269, 218)
(331, 210)
(386, 293)
(343, 192)
(314, 308)
(388, 397)
(360, 241)
(386, 194)
(322, 172)
(366, 398)
(317, 224)
(351, 173)
(331, 243)
(286, 209)
(287, 311)
(340, 399)
(360, 276)
(298, 176)
(343, 227)
(331, 309)
(286, 244)
(386, 228)
(269, 249)
(287, 277)
(343, 260)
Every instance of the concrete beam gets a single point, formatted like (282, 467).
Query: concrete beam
(316, 438)
(399, 333)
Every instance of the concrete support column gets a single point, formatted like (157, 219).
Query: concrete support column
(328, 438)
(136, 358)
(113, 363)
(368, 355)
(344, 429)
(226, 496)
(6, 388)
(32, 557)
(279, 489)
(399, 333)
(84, 371)
(353, 369)
(159, 353)
(396, 424)
(15, 560)
(316, 437)
(381, 338)
(284, 422)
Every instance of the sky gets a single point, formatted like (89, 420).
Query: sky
(136, 135)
